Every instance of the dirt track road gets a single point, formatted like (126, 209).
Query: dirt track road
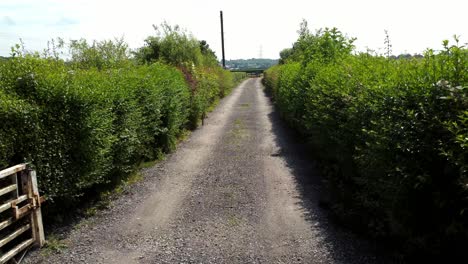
(239, 190)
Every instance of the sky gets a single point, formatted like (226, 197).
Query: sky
(253, 28)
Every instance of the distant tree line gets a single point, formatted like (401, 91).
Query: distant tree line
(253, 63)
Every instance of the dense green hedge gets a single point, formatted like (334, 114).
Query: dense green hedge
(84, 128)
(391, 136)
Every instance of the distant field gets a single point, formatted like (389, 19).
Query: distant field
(250, 64)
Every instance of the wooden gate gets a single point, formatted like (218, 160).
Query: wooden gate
(20, 212)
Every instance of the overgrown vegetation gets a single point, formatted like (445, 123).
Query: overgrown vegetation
(87, 122)
(391, 135)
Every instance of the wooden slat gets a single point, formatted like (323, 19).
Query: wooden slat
(36, 215)
(6, 172)
(7, 205)
(14, 235)
(10, 254)
(22, 198)
(6, 223)
(22, 211)
(8, 189)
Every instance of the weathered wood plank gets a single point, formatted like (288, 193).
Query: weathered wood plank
(14, 235)
(22, 211)
(22, 198)
(36, 215)
(8, 189)
(6, 223)
(10, 254)
(7, 205)
(6, 172)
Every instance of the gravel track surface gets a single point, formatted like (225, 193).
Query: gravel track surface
(239, 190)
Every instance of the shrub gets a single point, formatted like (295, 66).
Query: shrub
(174, 46)
(101, 55)
(390, 135)
(89, 125)
(89, 121)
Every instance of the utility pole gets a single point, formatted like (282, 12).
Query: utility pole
(222, 39)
